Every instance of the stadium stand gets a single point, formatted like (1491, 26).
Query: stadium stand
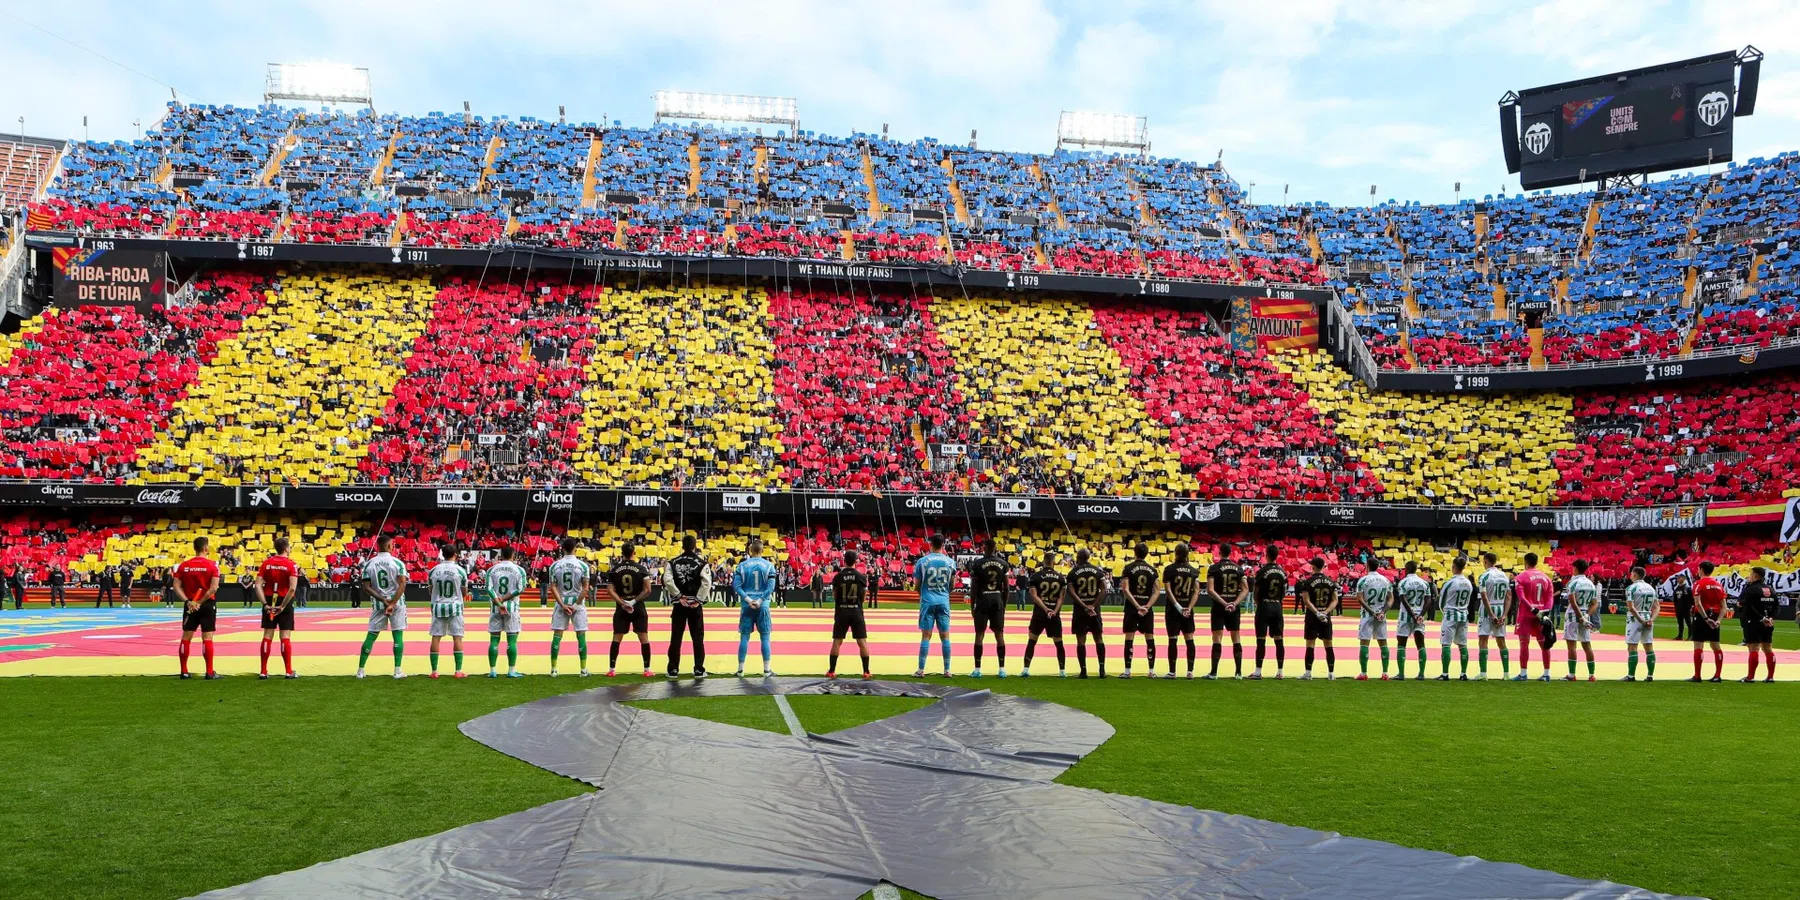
(679, 390)
(295, 395)
(25, 164)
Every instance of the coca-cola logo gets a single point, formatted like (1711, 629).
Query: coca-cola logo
(164, 497)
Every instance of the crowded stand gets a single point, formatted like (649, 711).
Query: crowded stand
(294, 396)
(866, 382)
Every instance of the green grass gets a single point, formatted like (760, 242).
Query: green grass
(759, 713)
(112, 783)
(820, 714)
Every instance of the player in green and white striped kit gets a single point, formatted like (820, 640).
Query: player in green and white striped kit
(570, 579)
(505, 581)
(1414, 593)
(1641, 604)
(449, 583)
(1375, 591)
(1496, 592)
(1454, 600)
(384, 582)
(1584, 618)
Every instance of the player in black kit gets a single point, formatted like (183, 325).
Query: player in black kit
(688, 579)
(1271, 584)
(1086, 581)
(1181, 590)
(1318, 596)
(1137, 581)
(849, 590)
(987, 601)
(1227, 586)
(629, 584)
(1046, 591)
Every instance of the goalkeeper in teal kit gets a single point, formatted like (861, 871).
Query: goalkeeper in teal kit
(754, 582)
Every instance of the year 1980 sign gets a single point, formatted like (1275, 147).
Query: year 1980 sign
(97, 275)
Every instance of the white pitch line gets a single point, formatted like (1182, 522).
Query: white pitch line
(787, 715)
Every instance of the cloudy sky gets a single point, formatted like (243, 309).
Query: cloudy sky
(1326, 97)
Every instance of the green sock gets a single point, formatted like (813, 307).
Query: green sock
(1445, 656)
(1571, 663)
(458, 654)
(368, 645)
(512, 651)
(1384, 659)
(1363, 659)
(555, 648)
(434, 657)
(1505, 661)
(1590, 664)
(1650, 661)
(581, 646)
(493, 650)
(399, 647)
(1484, 660)
(1464, 650)
(1402, 652)
(1631, 661)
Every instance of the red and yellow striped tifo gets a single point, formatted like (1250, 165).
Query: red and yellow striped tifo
(326, 642)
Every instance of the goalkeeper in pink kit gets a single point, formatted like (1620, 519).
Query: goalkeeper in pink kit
(1537, 595)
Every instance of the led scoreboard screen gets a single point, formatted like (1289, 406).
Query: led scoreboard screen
(1673, 116)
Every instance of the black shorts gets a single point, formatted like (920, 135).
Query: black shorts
(990, 615)
(1144, 624)
(1317, 629)
(1226, 619)
(206, 618)
(1755, 632)
(1175, 623)
(1043, 623)
(1269, 621)
(638, 619)
(284, 621)
(1087, 622)
(849, 620)
(1699, 632)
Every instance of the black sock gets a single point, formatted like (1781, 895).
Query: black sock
(978, 651)
(865, 660)
(1100, 654)
(612, 656)
(1192, 652)
(1330, 658)
(1260, 648)
(1150, 652)
(1237, 658)
(999, 653)
(1216, 650)
(1280, 654)
(1127, 652)
(1062, 656)
(1171, 656)
(644, 649)
(1030, 650)
(1081, 653)
(1309, 657)
(833, 666)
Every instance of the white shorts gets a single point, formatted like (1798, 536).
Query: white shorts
(500, 620)
(1453, 633)
(451, 626)
(1573, 630)
(1408, 627)
(1493, 628)
(379, 620)
(560, 621)
(1371, 629)
(1638, 633)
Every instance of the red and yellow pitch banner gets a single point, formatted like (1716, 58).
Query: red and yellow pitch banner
(1284, 324)
(1743, 513)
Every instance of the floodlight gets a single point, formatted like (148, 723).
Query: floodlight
(321, 81)
(728, 108)
(1096, 129)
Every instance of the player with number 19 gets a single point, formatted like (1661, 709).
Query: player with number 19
(505, 581)
(1454, 599)
(449, 583)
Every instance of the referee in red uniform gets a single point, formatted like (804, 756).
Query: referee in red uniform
(274, 589)
(197, 587)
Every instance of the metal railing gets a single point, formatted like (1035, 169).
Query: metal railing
(1631, 363)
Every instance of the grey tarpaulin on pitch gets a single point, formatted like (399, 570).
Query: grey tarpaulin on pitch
(954, 800)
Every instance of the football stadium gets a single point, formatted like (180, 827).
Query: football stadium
(694, 502)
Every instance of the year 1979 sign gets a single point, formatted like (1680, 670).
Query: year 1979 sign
(99, 276)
